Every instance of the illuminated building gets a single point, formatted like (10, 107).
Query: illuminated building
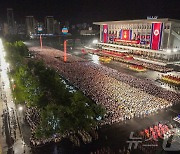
(153, 38)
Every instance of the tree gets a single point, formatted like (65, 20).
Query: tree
(41, 86)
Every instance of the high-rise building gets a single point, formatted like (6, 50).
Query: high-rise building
(57, 29)
(30, 25)
(5, 29)
(10, 17)
(49, 24)
(10, 20)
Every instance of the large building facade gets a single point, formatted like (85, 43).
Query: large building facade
(158, 38)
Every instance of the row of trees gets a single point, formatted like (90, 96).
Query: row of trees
(40, 86)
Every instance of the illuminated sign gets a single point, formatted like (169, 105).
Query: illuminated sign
(152, 17)
(64, 30)
(40, 29)
(127, 41)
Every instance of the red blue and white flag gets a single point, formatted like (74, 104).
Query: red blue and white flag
(105, 33)
(156, 35)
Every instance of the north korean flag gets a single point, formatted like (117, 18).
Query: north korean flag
(156, 35)
(105, 33)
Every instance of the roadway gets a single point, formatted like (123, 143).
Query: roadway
(12, 140)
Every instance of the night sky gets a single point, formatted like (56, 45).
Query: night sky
(91, 10)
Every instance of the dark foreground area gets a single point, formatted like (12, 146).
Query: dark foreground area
(114, 138)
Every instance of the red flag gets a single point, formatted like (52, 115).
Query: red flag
(105, 33)
(156, 35)
(125, 34)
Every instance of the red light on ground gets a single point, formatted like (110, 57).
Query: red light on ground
(41, 41)
(65, 44)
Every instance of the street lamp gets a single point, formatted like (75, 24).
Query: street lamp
(7, 65)
(168, 50)
(20, 108)
(95, 41)
(175, 50)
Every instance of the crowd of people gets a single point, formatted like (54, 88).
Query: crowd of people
(60, 56)
(171, 79)
(155, 132)
(153, 136)
(145, 85)
(123, 96)
(156, 67)
(32, 115)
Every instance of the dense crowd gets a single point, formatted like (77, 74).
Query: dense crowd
(33, 118)
(153, 136)
(156, 67)
(32, 115)
(60, 56)
(145, 85)
(123, 96)
(155, 132)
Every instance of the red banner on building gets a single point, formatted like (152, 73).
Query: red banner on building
(156, 35)
(105, 33)
(125, 35)
(127, 41)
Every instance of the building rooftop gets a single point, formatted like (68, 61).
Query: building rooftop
(137, 21)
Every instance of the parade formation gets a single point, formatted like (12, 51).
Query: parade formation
(122, 95)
